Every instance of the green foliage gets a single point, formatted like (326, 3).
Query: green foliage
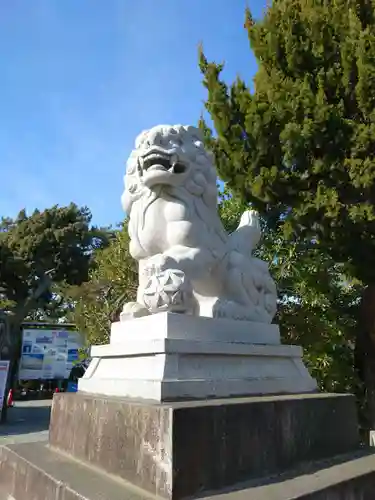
(38, 254)
(302, 146)
(317, 310)
(58, 240)
(317, 305)
(113, 281)
(301, 149)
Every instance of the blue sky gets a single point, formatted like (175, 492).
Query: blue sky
(81, 78)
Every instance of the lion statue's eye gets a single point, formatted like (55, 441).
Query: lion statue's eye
(176, 142)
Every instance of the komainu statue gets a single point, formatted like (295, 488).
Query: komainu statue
(187, 261)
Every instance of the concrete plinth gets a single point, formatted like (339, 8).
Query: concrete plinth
(169, 357)
(108, 448)
(180, 449)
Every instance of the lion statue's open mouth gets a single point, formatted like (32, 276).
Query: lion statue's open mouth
(162, 162)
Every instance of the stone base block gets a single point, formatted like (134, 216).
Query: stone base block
(168, 357)
(184, 327)
(35, 472)
(182, 449)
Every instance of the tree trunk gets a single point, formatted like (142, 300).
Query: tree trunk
(4, 412)
(13, 330)
(13, 357)
(5, 354)
(365, 356)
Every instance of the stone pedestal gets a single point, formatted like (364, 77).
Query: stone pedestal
(169, 357)
(175, 450)
(109, 448)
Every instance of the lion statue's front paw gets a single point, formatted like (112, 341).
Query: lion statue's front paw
(133, 310)
(158, 264)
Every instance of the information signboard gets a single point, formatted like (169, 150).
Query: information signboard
(4, 367)
(48, 354)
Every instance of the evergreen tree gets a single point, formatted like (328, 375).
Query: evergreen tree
(113, 281)
(317, 306)
(301, 147)
(38, 253)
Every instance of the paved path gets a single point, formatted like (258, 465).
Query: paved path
(28, 422)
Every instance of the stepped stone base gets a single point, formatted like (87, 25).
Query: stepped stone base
(35, 472)
(173, 441)
(169, 357)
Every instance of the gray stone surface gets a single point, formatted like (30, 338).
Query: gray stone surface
(182, 449)
(34, 472)
(346, 477)
(129, 440)
(28, 421)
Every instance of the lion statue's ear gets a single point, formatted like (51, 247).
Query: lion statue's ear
(194, 132)
(141, 139)
(131, 183)
(126, 198)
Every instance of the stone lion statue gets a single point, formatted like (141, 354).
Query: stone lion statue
(187, 261)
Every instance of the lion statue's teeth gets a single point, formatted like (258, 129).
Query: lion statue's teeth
(187, 262)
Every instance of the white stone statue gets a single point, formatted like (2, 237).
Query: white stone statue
(189, 265)
(187, 261)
